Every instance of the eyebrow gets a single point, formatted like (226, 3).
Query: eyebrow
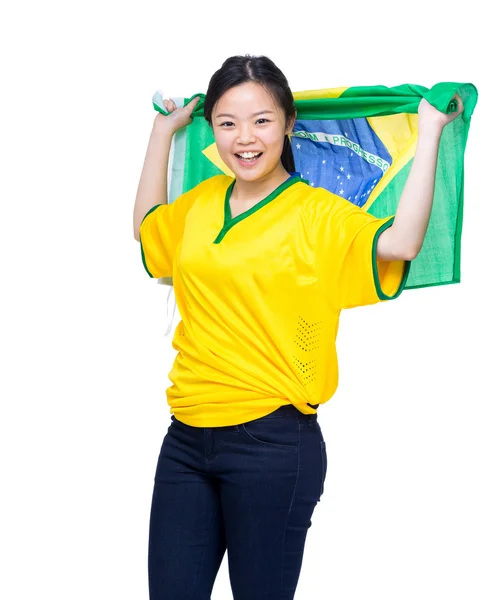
(253, 115)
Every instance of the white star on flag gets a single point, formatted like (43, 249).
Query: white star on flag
(298, 146)
(341, 168)
(348, 176)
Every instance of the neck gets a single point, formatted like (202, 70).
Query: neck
(252, 190)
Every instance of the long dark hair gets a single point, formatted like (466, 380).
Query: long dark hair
(260, 69)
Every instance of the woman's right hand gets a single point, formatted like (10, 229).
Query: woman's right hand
(178, 117)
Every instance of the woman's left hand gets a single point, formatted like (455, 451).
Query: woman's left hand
(429, 116)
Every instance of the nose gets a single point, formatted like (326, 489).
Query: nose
(245, 134)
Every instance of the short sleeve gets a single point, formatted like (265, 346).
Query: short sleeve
(346, 239)
(160, 232)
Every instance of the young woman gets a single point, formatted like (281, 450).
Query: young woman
(262, 264)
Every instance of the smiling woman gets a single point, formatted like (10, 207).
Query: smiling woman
(262, 264)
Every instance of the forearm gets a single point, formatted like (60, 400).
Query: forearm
(152, 188)
(407, 234)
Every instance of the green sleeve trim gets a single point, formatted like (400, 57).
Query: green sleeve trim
(407, 266)
(150, 211)
(140, 242)
(144, 260)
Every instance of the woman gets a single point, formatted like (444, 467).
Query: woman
(262, 265)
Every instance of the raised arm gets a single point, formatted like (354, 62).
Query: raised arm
(152, 188)
(403, 240)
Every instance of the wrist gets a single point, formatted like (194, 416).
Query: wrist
(161, 128)
(430, 132)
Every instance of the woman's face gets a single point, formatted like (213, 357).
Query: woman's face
(238, 128)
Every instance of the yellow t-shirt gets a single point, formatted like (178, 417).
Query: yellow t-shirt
(260, 295)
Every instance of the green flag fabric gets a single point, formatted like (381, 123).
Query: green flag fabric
(359, 143)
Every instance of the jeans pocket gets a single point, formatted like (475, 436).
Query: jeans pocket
(323, 449)
(278, 432)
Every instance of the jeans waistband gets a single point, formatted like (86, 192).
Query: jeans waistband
(290, 410)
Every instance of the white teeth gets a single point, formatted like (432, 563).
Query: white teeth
(249, 154)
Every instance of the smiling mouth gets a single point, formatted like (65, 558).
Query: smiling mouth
(248, 161)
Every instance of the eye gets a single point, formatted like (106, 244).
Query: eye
(230, 122)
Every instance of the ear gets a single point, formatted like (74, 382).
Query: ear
(290, 124)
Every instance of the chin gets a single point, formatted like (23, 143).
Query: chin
(249, 174)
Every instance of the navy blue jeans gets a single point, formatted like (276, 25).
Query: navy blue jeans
(249, 489)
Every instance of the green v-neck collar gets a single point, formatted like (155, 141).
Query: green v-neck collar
(229, 222)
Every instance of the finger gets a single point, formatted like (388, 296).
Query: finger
(460, 104)
(191, 105)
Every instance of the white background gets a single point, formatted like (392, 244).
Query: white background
(407, 511)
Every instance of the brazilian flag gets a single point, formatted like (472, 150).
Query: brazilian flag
(359, 143)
